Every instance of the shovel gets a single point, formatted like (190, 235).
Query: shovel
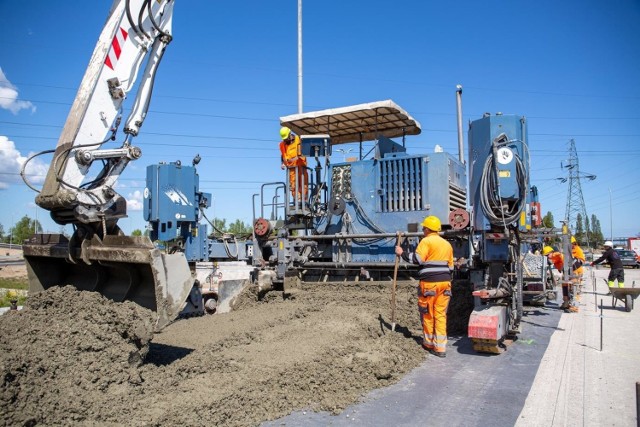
(393, 287)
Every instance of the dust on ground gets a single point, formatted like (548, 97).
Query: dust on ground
(75, 357)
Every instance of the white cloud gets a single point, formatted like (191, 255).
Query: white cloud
(134, 201)
(9, 97)
(11, 161)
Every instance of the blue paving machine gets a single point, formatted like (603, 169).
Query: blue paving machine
(355, 208)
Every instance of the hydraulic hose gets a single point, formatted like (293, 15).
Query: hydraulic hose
(490, 200)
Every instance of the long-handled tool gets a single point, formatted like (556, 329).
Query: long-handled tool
(395, 282)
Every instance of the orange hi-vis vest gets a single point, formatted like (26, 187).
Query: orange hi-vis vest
(292, 153)
(557, 259)
(435, 257)
(578, 259)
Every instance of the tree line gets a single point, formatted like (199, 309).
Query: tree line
(27, 227)
(587, 232)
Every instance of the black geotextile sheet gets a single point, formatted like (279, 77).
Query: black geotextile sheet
(464, 389)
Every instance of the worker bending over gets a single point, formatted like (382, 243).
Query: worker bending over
(617, 269)
(293, 159)
(557, 259)
(434, 255)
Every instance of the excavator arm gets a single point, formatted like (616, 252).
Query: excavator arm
(98, 257)
(135, 34)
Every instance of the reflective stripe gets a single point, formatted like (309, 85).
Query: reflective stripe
(440, 347)
(435, 263)
(429, 294)
(434, 270)
(428, 270)
(431, 275)
(447, 293)
(423, 310)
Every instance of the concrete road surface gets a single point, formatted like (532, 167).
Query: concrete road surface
(578, 384)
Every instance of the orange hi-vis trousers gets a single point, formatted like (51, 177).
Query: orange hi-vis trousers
(303, 181)
(433, 301)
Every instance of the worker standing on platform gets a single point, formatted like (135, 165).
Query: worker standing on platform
(434, 255)
(617, 269)
(293, 160)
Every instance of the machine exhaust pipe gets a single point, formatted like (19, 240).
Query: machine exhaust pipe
(460, 136)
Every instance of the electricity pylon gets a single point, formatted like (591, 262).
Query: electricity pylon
(575, 200)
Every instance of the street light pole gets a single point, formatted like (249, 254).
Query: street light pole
(299, 56)
(610, 216)
(11, 233)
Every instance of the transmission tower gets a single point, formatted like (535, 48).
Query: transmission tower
(575, 200)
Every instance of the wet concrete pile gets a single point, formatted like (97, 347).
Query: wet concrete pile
(75, 357)
(66, 352)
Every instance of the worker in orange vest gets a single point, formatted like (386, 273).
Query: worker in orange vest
(293, 160)
(434, 255)
(578, 261)
(557, 259)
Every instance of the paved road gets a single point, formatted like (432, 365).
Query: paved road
(553, 375)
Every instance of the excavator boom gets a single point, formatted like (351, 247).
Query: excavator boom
(98, 257)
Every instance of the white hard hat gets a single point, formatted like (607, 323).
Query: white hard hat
(608, 243)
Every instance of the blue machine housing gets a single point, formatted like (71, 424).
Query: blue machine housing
(498, 165)
(172, 203)
(512, 183)
(392, 192)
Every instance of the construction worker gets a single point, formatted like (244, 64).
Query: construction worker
(578, 261)
(434, 255)
(557, 259)
(292, 159)
(617, 269)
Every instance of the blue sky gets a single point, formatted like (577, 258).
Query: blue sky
(571, 67)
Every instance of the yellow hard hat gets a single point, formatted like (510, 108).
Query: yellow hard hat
(285, 132)
(432, 223)
(573, 240)
(547, 250)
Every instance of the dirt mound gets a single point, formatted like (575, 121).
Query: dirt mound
(65, 350)
(74, 357)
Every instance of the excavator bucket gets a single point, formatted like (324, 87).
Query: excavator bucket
(122, 268)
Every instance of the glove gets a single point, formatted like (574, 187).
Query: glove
(592, 264)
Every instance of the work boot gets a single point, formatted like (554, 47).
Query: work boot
(437, 353)
(565, 304)
(572, 309)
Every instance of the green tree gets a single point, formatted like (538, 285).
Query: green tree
(579, 231)
(597, 236)
(547, 221)
(219, 225)
(136, 232)
(589, 233)
(2, 236)
(24, 229)
(239, 228)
